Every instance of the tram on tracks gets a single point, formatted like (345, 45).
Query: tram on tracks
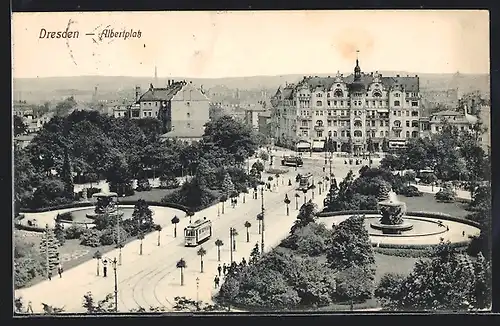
(198, 232)
(306, 181)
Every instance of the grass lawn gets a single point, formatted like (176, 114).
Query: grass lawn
(429, 204)
(155, 194)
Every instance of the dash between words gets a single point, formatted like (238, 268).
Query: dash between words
(106, 33)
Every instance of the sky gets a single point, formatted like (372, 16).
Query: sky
(249, 43)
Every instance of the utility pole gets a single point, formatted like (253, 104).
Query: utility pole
(118, 232)
(231, 243)
(262, 212)
(116, 285)
(47, 249)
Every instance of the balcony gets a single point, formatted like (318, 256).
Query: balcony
(397, 128)
(319, 128)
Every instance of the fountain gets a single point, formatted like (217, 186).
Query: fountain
(106, 205)
(392, 211)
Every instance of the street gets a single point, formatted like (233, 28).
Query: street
(153, 279)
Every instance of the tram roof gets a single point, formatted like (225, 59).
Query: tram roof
(198, 223)
(105, 194)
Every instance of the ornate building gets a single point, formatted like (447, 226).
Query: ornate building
(348, 112)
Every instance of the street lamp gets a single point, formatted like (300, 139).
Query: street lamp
(231, 243)
(262, 211)
(197, 293)
(114, 263)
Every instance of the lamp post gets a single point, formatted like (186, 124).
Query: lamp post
(116, 284)
(262, 211)
(118, 243)
(231, 243)
(197, 293)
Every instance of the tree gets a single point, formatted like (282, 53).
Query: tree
(255, 254)
(102, 306)
(201, 252)
(59, 232)
(223, 199)
(320, 183)
(332, 195)
(140, 237)
(445, 282)
(287, 202)
(248, 225)
(354, 284)
(229, 291)
(219, 244)
(158, 228)
(350, 245)
(67, 176)
(49, 248)
(174, 221)
(64, 107)
(97, 256)
(51, 192)
(234, 234)
(307, 214)
(297, 196)
(190, 214)
(181, 264)
(260, 217)
(20, 127)
(143, 216)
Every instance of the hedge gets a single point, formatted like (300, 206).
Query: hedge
(435, 215)
(459, 244)
(88, 204)
(29, 228)
(411, 253)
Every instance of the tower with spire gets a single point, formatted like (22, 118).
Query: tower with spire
(357, 69)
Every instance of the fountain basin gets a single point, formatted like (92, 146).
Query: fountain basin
(392, 229)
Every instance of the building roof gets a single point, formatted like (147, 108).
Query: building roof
(408, 84)
(448, 112)
(184, 133)
(162, 94)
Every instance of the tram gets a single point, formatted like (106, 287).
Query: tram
(198, 232)
(306, 181)
(292, 161)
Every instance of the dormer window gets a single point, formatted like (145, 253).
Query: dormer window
(338, 93)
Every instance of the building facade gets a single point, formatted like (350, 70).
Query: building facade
(180, 105)
(348, 111)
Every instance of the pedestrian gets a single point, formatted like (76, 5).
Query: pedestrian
(30, 308)
(105, 268)
(219, 269)
(243, 261)
(216, 282)
(224, 269)
(323, 169)
(236, 201)
(50, 275)
(447, 228)
(60, 270)
(463, 233)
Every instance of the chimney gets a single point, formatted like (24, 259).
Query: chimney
(151, 86)
(168, 82)
(137, 92)
(397, 76)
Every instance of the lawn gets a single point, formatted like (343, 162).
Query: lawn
(155, 194)
(427, 203)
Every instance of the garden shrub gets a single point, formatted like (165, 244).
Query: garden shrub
(67, 216)
(411, 191)
(275, 171)
(91, 238)
(143, 185)
(108, 236)
(445, 194)
(408, 253)
(168, 182)
(73, 231)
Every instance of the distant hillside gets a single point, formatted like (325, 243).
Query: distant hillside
(40, 89)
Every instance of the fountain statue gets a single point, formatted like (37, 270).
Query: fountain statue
(392, 211)
(106, 205)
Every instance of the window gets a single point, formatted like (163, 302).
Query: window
(407, 134)
(334, 133)
(373, 103)
(328, 94)
(319, 134)
(407, 113)
(304, 123)
(338, 93)
(341, 103)
(397, 95)
(366, 103)
(304, 133)
(145, 113)
(188, 104)
(335, 123)
(377, 94)
(397, 123)
(329, 112)
(335, 103)
(319, 123)
(394, 112)
(396, 103)
(373, 123)
(399, 113)
(329, 123)
(414, 134)
(407, 123)
(342, 133)
(189, 115)
(414, 113)
(414, 123)
(414, 103)
(188, 125)
(358, 124)
(329, 103)
(381, 134)
(358, 133)
(381, 123)
(319, 103)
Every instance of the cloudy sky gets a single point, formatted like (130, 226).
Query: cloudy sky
(225, 44)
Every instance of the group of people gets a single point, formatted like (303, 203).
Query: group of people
(227, 269)
(59, 271)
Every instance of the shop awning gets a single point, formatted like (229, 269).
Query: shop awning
(303, 145)
(319, 144)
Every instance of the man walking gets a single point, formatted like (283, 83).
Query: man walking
(224, 269)
(219, 269)
(50, 275)
(105, 268)
(60, 270)
(216, 281)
